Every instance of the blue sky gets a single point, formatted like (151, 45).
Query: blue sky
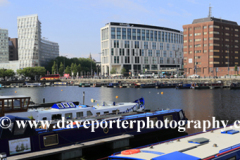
(75, 24)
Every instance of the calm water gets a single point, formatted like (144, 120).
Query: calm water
(197, 104)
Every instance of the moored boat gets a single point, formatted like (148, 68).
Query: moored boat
(183, 86)
(214, 144)
(60, 83)
(147, 85)
(84, 85)
(234, 86)
(53, 137)
(166, 85)
(19, 106)
(112, 85)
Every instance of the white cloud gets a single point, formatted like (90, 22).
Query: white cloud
(4, 2)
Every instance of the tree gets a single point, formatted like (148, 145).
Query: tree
(75, 69)
(236, 68)
(113, 71)
(32, 71)
(68, 70)
(54, 68)
(61, 69)
(123, 71)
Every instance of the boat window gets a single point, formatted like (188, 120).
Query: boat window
(50, 140)
(68, 115)
(98, 113)
(44, 118)
(232, 158)
(114, 111)
(168, 117)
(65, 105)
(79, 114)
(106, 112)
(89, 113)
(25, 103)
(152, 122)
(71, 104)
(56, 116)
(16, 103)
(181, 115)
(60, 106)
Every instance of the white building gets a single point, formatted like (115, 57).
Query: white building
(30, 52)
(138, 47)
(4, 49)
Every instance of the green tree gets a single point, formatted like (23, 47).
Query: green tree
(61, 69)
(123, 71)
(32, 71)
(113, 71)
(236, 68)
(68, 70)
(54, 68)
(75, 69)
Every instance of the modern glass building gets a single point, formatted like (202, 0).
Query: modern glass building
(30, 52)
(49, 51)
(4, 49)
(138, 48)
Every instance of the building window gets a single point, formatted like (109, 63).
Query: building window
(164, 53)
(138, 34)
(197, 34)
(161, 46)
(161, 59)
(136, 44)
(147, 35)
(134, 34)
(136, 59)
(129, 33)
(118, 33)
(150, 53)
(126, 44)
(142, 54)
(143, 35)
(145, 60)
(113, 33)
(112, 52)
(162, 36)
(151, 35)
(171, 54)
(123, 33)
(153, 45)
(166, 37)
(154, 60)
(167, 46)
(159, 36)
(168, 60)
(171, 38)
(145, 45)
(158, 53)
(155, 35)
(190, 35)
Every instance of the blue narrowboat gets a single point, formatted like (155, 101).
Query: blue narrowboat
(215, 144)
(15, 140)
(111, 85)
(183, 86)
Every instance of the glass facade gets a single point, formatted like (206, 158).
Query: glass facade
(4, 49)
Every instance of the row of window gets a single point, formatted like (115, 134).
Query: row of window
(147, 60)
(145, 35)
(205, 45)
(205, 51)
(146, 45)
(211, 26)
(148, 53)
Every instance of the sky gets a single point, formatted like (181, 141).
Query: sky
(75, 24)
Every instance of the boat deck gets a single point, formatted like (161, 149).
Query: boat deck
(213, 143)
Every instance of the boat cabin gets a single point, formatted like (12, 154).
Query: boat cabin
(10, 104)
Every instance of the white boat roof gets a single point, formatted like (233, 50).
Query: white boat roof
(193, 151)
(79, 108)
(13, 97)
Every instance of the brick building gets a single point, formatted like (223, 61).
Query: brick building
(211, 47)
